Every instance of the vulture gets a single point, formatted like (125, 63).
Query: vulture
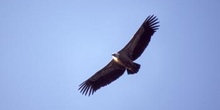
(122, 60)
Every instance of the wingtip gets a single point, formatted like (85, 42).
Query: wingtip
(153, 22)
(86, 89)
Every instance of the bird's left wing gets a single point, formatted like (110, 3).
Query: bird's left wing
(141, 38)
(103, 77)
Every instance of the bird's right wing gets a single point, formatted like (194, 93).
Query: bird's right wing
(103, 77)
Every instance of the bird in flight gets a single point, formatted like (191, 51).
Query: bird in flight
(122, 60)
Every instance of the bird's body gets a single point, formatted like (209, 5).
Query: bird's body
(122, 60)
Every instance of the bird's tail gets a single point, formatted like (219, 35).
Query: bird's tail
(134, 69)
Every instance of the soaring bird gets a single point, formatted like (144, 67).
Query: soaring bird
(122, 60)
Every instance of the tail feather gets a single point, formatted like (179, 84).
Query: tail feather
(134, 69)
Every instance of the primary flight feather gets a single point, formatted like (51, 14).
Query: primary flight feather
(122, 60)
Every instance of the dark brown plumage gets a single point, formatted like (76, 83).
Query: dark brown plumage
(103, 77)
(142, 37)
(123, 60)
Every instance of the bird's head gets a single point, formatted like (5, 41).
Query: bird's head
(116, 55)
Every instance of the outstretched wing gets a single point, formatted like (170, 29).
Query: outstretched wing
(103, 77)
(141, 38)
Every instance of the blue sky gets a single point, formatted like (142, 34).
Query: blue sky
(49, 47)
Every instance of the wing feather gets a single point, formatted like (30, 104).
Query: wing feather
(141, 38)
(103, 77)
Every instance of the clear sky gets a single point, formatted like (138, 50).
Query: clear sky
(49, 47)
